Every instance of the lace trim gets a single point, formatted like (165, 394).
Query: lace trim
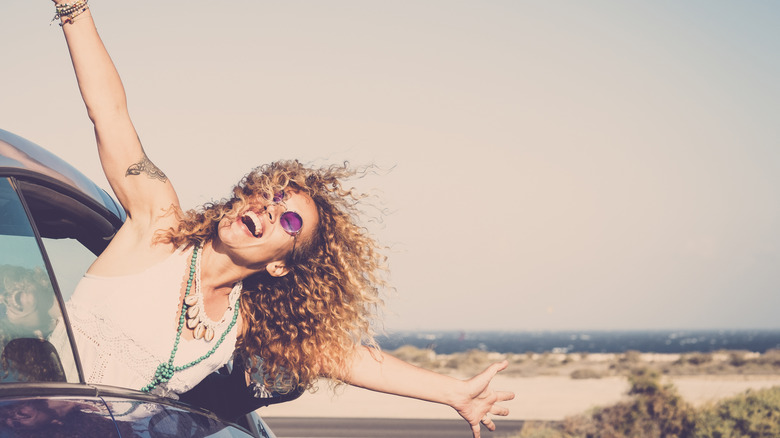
(111, 357)
(105, 343)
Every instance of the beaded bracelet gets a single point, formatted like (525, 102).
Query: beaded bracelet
(68, 12)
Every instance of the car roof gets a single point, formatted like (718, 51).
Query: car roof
(24, 159)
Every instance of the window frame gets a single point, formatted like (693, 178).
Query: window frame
(25, 183)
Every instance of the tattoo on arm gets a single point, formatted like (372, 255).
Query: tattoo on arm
(147, 167)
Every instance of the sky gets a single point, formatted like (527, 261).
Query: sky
(543, 165)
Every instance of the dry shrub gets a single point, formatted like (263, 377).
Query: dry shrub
(469, 360)
(631, 356)
(655, 411)
(422, 357)
(697, 358)
(627, 361)
(770, 358)
(586, 373)
(752, 414)
(541, 429)
(516, 358)
(738, 358)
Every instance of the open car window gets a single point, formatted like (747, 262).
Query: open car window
(72, 233)
(29, 309)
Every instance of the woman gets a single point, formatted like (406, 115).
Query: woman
(279, 274)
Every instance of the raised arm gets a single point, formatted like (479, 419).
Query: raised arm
(141, 188)
(473, 399)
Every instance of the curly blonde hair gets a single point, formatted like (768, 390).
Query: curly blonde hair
(309, 321)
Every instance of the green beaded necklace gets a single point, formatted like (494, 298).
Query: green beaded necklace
(165, 370)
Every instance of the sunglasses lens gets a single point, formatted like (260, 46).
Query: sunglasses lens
(291, 222)
(277, 198)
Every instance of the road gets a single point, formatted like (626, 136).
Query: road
(285, 427)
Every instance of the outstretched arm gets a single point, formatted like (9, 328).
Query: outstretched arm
(472, 399)
(142, 189)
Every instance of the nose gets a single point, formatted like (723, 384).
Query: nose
(274, 211)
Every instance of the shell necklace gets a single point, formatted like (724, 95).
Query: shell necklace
(165, 370)
(197, 320)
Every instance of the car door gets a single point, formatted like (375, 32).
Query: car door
(53, 223)
(30, 309)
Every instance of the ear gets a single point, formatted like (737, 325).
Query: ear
(277, 269)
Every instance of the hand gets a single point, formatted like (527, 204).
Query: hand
(479, 400)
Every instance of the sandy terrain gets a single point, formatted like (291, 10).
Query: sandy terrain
(543, 396)
(537, 398)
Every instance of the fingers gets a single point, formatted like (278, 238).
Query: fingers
(497, 397)
(483, 379)
(493, 369)
(504, 395)
(499, 410)
(498, 366)
(488, 422)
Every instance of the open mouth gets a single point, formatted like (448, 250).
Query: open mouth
(252, 222)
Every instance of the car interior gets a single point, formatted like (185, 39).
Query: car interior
(57, 216)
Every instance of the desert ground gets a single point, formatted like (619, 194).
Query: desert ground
(549, 386)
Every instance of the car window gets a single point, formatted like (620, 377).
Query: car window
(154, 420)
(69, 260)
(72, 230)
(57, 417)
(29, 311)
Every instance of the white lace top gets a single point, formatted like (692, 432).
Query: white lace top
(125, 327)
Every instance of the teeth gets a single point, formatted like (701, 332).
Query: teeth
(257, 229)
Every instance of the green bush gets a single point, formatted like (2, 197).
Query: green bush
(656, 411)
(644, 382)
(754, 414)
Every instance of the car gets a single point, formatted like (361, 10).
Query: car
(54, 222)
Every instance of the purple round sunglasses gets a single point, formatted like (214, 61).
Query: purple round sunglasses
(291, 221)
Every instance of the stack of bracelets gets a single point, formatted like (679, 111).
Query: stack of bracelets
(67, 12)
